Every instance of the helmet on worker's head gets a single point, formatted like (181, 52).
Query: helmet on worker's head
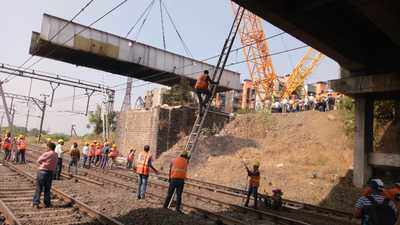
(376, 184)
(146, 148)
(185, 154)
(257, 164)
(98, 144)
(86, 143)
(60, 141)
(21, 136)
(48, 139)
(114, 145)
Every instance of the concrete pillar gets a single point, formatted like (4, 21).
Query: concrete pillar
(363, 140)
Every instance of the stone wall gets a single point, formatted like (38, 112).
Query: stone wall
(160, 127)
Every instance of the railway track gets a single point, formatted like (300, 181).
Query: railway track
(16, 191)
(97, 180)
(292, 207)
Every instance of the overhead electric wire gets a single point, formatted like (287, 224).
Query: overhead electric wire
(140, 17)
(185, 47)
(162, 25)
(55, 35)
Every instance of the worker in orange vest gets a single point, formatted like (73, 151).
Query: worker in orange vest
(177, 176)
(143, 166)
(98, 154)
(113, 155)
(254, 183)
(7, 146)
(92, 152)
(129, 159)
(202, 88)
(21, 149)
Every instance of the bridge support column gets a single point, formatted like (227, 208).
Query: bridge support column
(363, 139)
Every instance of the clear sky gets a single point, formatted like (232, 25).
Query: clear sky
(203, 24)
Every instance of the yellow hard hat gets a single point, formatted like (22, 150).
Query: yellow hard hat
(114, 145)
(48, 139)
(185, 154)
(257, 164)
(60, 141)
(86, 143)
(21, 136)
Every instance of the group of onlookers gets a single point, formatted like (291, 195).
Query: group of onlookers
(319, 103)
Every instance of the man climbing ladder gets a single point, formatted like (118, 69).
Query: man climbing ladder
(214, 81)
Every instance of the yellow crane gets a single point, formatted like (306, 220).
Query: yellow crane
(259, 61)
(302, 70)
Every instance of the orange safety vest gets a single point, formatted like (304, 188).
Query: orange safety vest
(7, 144)
(254, 181)
(201, 82)
(113, 153)
(21, 145)
(143, 163)
(179, 168)
(98, 151)
(92, 151)
(391, 193)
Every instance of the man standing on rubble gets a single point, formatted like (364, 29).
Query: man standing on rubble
(143, 166)
(254, 183)
(177, 176)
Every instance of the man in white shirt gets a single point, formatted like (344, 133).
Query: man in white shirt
(60, 153)
(85, 152)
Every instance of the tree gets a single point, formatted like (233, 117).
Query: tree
(179, 94)
(96, 121)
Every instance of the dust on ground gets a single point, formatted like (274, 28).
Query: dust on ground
(306, 154)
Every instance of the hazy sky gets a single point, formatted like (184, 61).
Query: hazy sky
(203, 25)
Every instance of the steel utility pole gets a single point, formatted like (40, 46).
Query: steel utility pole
(43, 109)
(6, 109)
(29, 107)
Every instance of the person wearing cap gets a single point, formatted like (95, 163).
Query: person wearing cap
(7, 145)
(254, 183)
(375, 197)
(202, 89)
(21, 149)
(177, 176)
(92, 153)
(113, 155)
(143, 166)
(60, 154)
(85, 153)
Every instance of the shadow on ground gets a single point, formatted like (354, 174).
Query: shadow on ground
(343, 195)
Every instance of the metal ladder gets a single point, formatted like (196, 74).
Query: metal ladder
(216, 77)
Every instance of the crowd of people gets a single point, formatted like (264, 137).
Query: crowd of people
(14, 148)
(321, 103)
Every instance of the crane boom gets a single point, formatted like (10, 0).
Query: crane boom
(302, 70)
(256, 52)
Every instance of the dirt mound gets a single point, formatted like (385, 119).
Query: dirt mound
(305, 154)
